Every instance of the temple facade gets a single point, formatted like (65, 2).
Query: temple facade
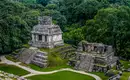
(94, 57)
(46, 34)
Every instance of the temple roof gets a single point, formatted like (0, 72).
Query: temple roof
(46, 27)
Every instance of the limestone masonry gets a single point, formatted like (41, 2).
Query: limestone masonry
(46, 34)
(33, 56)
(94, 57)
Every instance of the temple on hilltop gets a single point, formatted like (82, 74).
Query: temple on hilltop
(46, 34)
(94, 57)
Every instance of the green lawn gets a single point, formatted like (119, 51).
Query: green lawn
(13, 69)
(101, 75)
(64, 75)
(48, 68)
(125, 76)
(126, 64)
(11, 58)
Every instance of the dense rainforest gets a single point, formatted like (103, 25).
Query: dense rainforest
(103, 21)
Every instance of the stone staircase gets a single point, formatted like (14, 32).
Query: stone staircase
(33, 56)
(40, 59)
(85, 63)
(25, 55)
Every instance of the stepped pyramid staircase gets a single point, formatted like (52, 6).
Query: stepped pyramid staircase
(85, 63)
(40, 59)
(33, 56)
(25, 55)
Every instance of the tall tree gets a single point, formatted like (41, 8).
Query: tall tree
(43, 2)
(14, 26)
(111, 26)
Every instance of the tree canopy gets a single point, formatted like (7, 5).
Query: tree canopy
(104, 21)
(111, 26)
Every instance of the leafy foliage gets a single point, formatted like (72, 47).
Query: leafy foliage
(43, 2)
(111, 26)
(14, 26)
(107, 22)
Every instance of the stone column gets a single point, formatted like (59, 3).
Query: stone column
(33, 37)
(49, 38)
(43, 38)
(36, 37)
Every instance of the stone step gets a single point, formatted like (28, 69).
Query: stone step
(40, 60)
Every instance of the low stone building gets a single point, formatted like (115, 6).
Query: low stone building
(94, 57)
(46, 34)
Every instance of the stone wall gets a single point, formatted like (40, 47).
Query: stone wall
(85, 62)
(94, 57)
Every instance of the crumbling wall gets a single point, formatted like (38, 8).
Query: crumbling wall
(85, 62)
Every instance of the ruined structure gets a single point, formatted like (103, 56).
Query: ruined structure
(40, 59)
(32, 56)
(46, 34)
(94, 57)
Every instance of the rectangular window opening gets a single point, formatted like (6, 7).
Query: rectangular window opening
(40, 37)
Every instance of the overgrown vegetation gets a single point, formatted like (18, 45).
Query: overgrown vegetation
(126, 64)
(125, 76)
(101, 75)
(105, 21)
(58, 55)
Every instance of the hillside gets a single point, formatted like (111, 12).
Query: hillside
(103, 21)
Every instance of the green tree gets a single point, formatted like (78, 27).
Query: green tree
(111, 26)
(69, 9)
(43, 2)
(74, 36)
(87, 10)
(16, 21)
(51, 10)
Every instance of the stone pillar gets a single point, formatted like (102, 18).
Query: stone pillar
(52, 38)
(43, 38)
(33, 37)
(49, 38)
(36, 37)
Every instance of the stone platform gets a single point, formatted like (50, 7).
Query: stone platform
(33, 56)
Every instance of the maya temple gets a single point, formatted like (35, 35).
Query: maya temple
(46, 34)
(94, 57)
